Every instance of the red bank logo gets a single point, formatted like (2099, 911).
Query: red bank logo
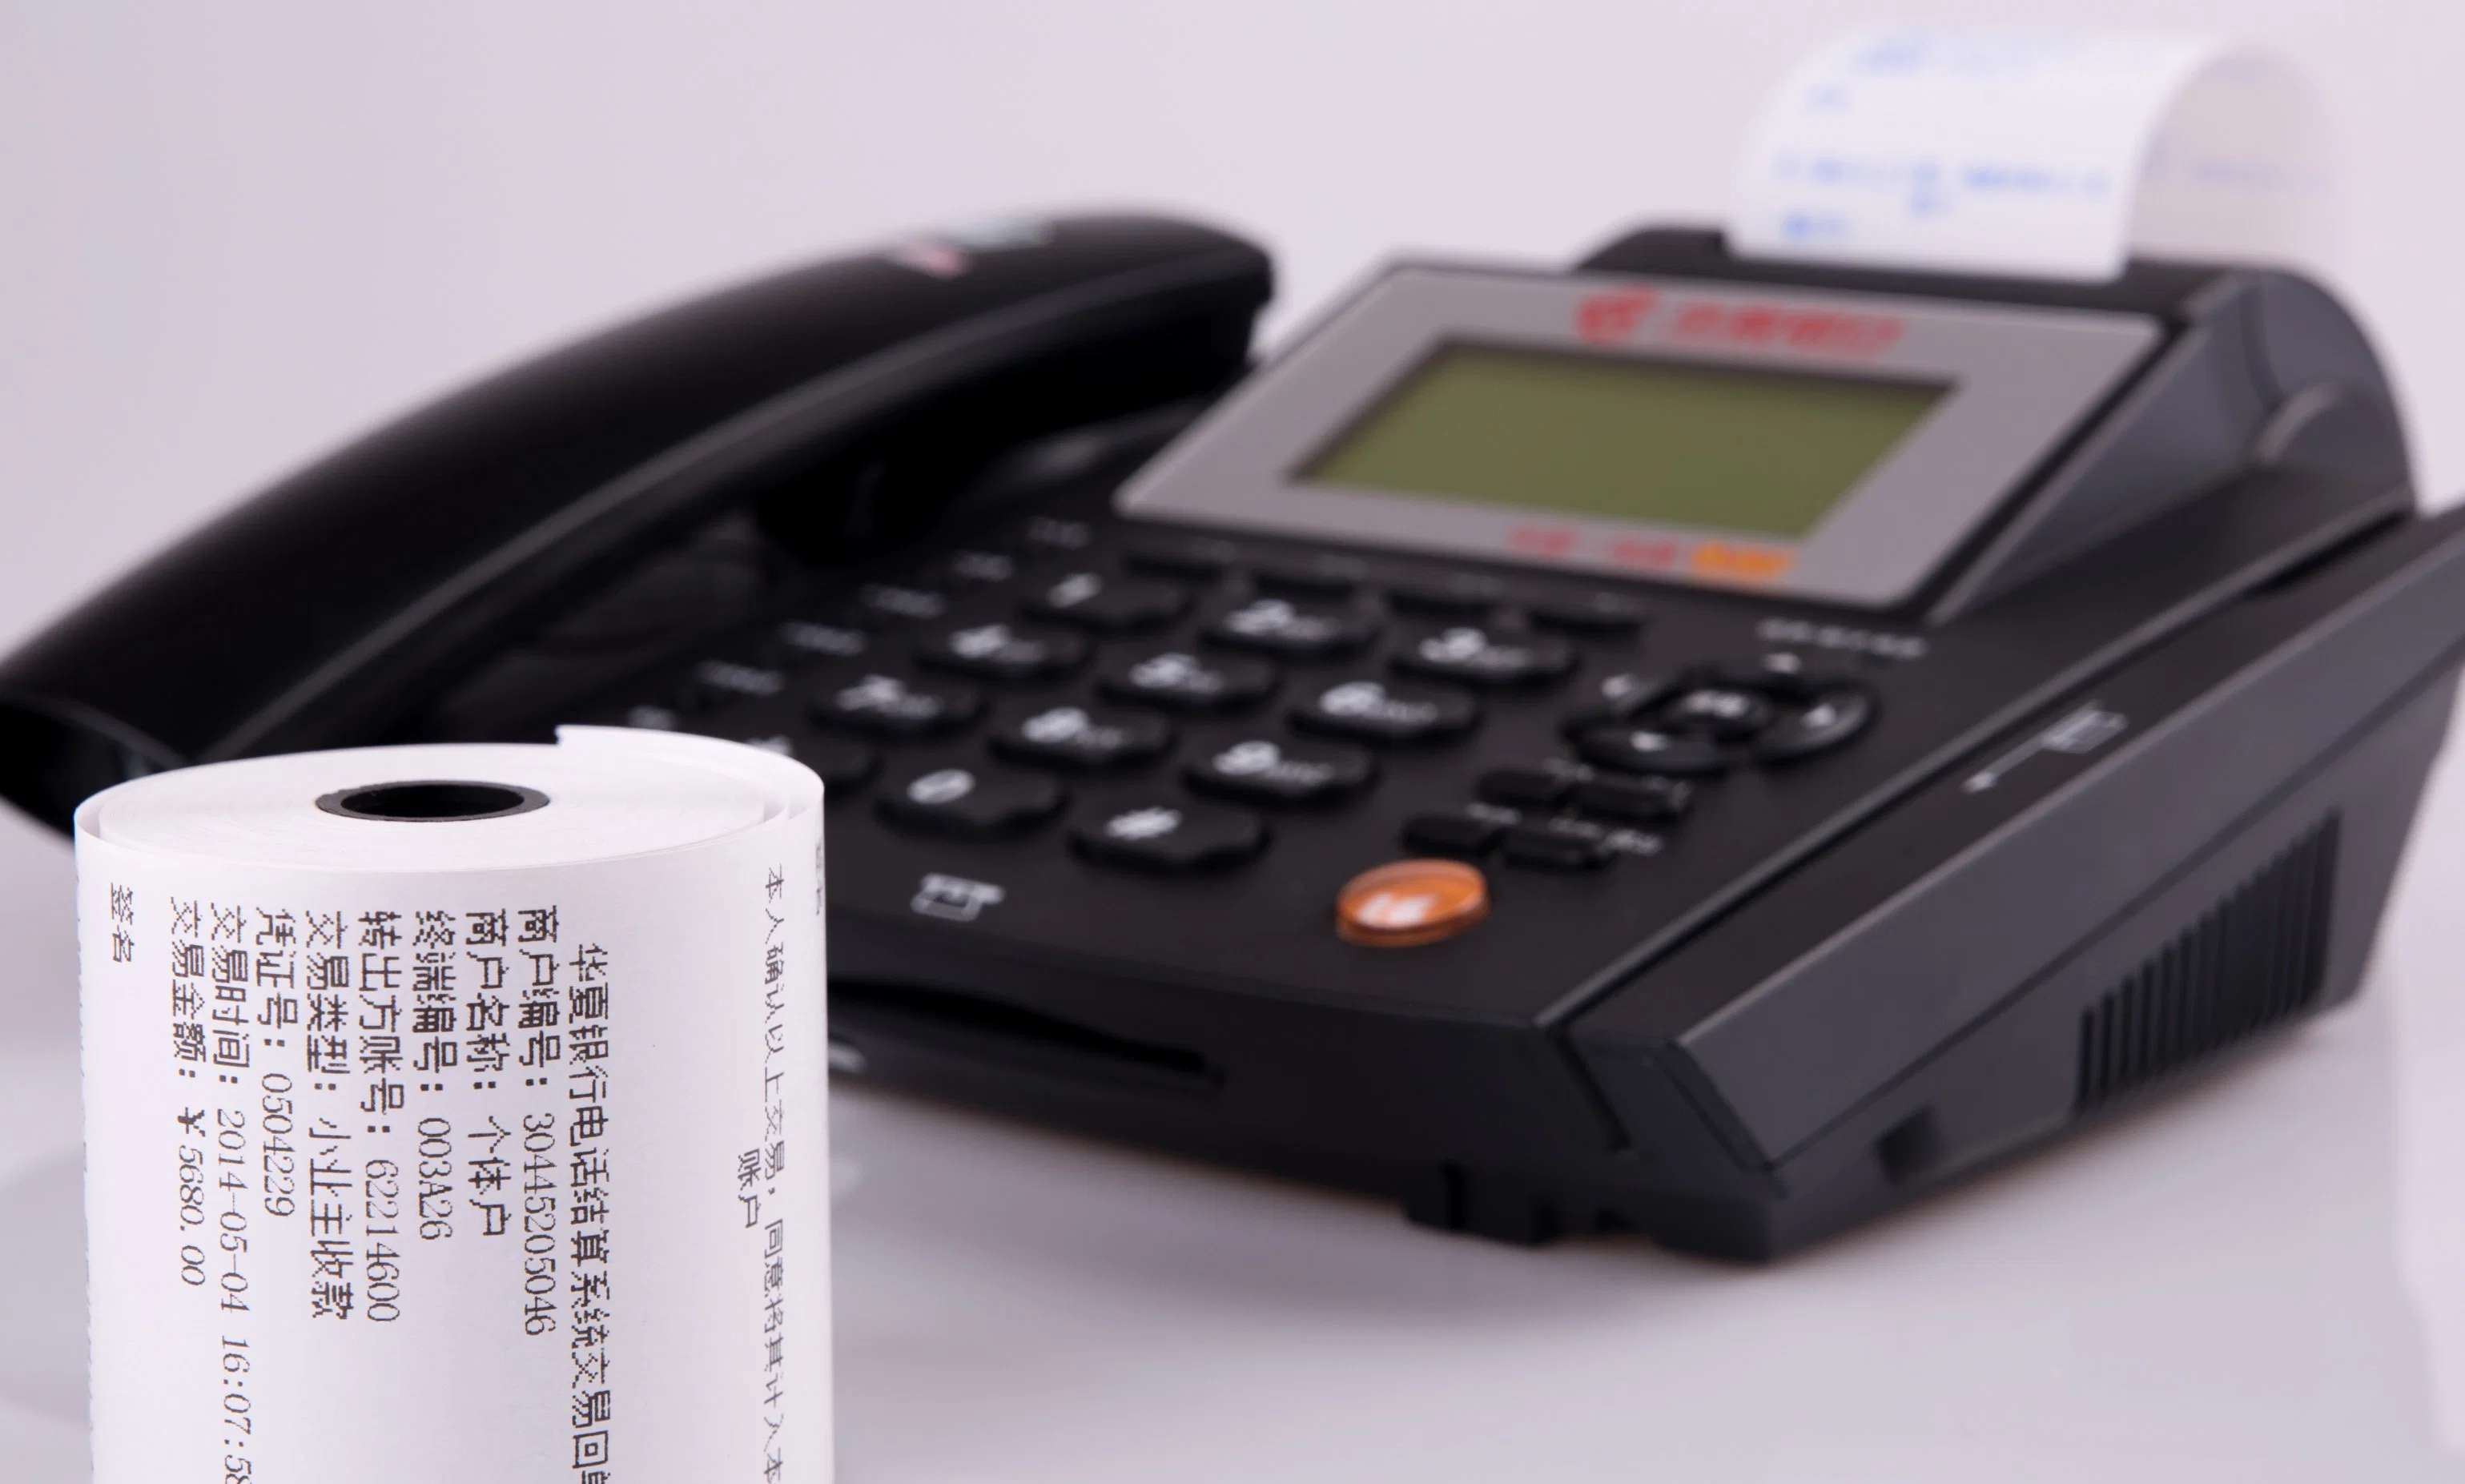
(1778, 327)
(1607, 318)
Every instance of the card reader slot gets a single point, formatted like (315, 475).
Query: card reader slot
(996, 1032)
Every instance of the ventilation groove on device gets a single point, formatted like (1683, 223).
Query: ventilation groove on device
(2253, 959)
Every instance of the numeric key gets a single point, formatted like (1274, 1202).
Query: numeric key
(1476, 656)
(1260, 771)
(885, 706)
(997, 651)
(1369, 710)
(1071, 737)
(1107, 605)
(1275, 626)
(971, 804)
(1180, 681)
(1171, 837)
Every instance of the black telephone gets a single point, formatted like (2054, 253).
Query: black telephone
(1687, 743)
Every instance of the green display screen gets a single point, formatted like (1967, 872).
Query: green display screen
(1654, 442)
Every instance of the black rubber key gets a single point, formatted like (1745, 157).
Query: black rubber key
(1257, 770)
(971, 804)
(1071, 737)
(716, 682)
(1833, 718)
(1555, 845)
(1649, 749)
(1107, 605)
(1451, 835)
(1171, 837)
(998, 652)
(1274, 626)
(1476, 656)
(1615, 699)
(842, 763)
(801, 642)
(1522, 787)
(886, 705)
(1730, 713)
(1590, 612)
(1369, 710)
(1181, 682)
(1646, 800)
(899, 603)
(1446, 592)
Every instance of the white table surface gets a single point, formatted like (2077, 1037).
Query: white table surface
(2262, 1279)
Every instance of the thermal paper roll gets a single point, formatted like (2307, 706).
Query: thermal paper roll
(2048, 155)
(456, 1113)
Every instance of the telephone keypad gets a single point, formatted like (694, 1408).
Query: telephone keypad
(1614, 699)
(1169, 836)
(1072, 736)
(1265, 770)
(1476, 656)
(1366, 710)
(1275, 626)
(971, 803)
(1093, 601)
(886, 705)
(998, 652)
(1178, 680)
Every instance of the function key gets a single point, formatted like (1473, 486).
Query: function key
(1315, 571)
(1107, 605)
(899, 603)
(1446, 592)
(1787, 679)
(1369, 710)
(1475, 656)
(1277, 627)
(1615, 699)
(801, 642)
(1406, 903)
(1556, 844)
(1524, 787)
(889, 706)
(1259, 771)
(1649, 749)
(1051, 533)
(1180, 681)
(716, 682)
(1727, 713)
(1172, 837)
(964, 802)
(997, 651)
(1451, 834)
(1068, 737)
(975, 567)
(1592, 611)
(1833, 719)
(841, 764)
(1646, 799)
(1196, 556)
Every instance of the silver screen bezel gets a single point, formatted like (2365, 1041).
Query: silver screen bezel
(2020, 381)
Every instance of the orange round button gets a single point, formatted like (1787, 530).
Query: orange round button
(1406, 902)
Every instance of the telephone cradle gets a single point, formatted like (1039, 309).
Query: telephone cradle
(1826, 731)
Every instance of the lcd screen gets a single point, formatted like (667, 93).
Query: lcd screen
(1654, 442)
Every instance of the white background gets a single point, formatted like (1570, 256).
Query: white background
(237, 234)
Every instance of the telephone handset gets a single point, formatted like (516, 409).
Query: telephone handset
(839, 400)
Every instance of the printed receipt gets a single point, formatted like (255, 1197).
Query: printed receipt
(458, 1145)
(2045, 156)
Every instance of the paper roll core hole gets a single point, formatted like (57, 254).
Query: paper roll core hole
(431, 801)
